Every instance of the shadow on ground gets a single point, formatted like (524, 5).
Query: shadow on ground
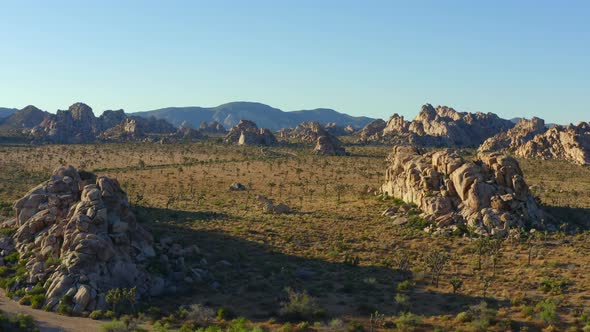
(252, 278)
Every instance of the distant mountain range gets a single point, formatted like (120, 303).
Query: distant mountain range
(6, 112)
(263, 115)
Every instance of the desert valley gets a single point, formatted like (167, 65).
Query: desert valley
(451, 221)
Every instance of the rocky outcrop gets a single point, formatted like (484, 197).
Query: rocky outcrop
(373, 131)
(488, 194)
(334, 129)
(523, 132)
(329, 146)
(84, 223)
(247, 133)
(212, 128)
(439, 127)
(79, 125)
(268, 206)
(571, 143)
(78, 238)
(23, 119)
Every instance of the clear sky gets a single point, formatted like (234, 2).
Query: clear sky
(362, 57)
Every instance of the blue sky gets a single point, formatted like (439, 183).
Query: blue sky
(372, 57)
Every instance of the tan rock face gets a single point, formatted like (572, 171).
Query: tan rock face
(523, 132)
(247, 133)
(571, 143)
(488, 194)
(85, 223)
(329, 145)
(440, 126)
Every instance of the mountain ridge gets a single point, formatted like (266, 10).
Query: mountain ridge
(230, 114)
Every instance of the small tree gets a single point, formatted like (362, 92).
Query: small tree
(130, 296)
(436, 261)
(114, 297)
(456, 283)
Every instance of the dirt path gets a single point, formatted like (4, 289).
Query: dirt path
(49, 321)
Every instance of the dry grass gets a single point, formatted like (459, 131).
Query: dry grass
(340, 250)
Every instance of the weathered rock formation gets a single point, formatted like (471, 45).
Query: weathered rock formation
(440, 126)
(571, 143)
(212, 128)
(247, 133)
(78, 238)
(523, 132)
(334, 129)
(22, 120)
(373, 131)
(329, 146)
(488, 194)
(84, 223)
(79, 125)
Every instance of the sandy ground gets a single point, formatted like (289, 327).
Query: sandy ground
(49, 321)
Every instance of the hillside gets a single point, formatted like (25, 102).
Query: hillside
(5, 112)
(263, 115)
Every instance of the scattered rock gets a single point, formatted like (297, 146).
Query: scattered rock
(236, 186)
(269, 207)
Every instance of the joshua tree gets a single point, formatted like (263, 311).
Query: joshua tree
(456, 283)
(436, 261)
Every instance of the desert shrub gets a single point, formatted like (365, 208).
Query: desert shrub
(407, 321)
(354, 326)
(25, 300)
(64, 309)
(37, 301)
(17, 323)
(12, 258)
(464, 317)
(200, 314)
(7, 231)
(299, 306)
(114, 326)
(96, 314)
(483, 317)
(547, 310)
(404, 285)
(225, 314)
(553, 285)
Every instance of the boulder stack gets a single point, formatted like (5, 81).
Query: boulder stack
(523, 132)
(79, 238)
(247, 133)
(488, 194)
(571, 143)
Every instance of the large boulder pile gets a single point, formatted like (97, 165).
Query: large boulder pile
(78, 124)
(523, 132)
(372, 132)
(488, 194)
(441, 126)
(329, 146)
(212, 128)
(78, 238)
(571, 143)
(247, 133)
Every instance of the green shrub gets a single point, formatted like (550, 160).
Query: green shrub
(37, 301)
(300, 306)
(547, 310)
(553, 285)
(64, 309)
(407, 321)
(225, 314)
(25, 300)
(405, 285)
(96, 314)
(12, 258)
(18, 322)
(114, 326)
